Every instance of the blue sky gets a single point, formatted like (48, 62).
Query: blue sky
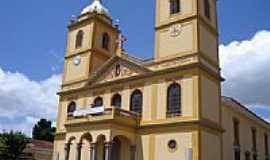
(33, 32)
(33, 37)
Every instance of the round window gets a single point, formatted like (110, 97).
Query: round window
(172, 144)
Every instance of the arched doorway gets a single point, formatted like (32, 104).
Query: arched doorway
(116, 149)
(121, 148)
(71, 149)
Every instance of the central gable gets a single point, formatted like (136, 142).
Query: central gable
(117, 68)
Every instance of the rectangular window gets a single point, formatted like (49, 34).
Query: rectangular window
(236, 132)
(174, 6)
(266, 146)
(207, 9)
(254, 139)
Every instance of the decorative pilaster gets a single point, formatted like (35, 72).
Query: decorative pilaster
(93, 151)
(79, 148)
(108, 150)
(67, 149)
(132, 152)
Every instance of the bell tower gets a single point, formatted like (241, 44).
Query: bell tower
(91, 42)
(185, 27)
(188, 28)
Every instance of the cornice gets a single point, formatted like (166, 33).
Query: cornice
(147, 75)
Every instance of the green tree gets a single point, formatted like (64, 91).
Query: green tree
(12, 145)
(43, 130)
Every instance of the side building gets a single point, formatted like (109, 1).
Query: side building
(246, 135)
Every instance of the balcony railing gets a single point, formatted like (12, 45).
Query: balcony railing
(107, 115)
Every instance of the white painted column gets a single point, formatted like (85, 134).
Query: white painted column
(93, 151)
(108, 150)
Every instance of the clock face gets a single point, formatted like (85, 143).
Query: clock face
(175, 30)
(76, 60)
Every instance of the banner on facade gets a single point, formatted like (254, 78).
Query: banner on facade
(89, 111)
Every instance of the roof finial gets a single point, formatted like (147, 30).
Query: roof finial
(97, 7)
(100, 1)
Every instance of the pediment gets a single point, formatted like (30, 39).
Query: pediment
(117, 68)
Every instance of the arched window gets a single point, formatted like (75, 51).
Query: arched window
(98, 102)
(207, 9)
(117, 100)
(174, 99)
(106, 41)
(79, 39)
(136, 101)
(174, 6)
(71, 109)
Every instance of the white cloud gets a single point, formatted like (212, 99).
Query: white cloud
(23, 101)
(245, 66)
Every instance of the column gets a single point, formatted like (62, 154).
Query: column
(93, 151)
(132, 152)
(79, 148)
(108, 150)
(67, 149)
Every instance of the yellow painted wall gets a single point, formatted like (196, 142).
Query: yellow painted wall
(210, 108)
(62, 115)
(97, 62)
(147, 102)
(162, 152)
(208, 44)
(210, 146)
(143, 148)
(154, 146)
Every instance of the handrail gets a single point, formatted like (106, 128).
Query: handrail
(115, 111)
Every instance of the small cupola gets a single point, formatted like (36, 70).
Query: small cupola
(97, 7)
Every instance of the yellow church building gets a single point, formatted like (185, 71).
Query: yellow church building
(114, 106)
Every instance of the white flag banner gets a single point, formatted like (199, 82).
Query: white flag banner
(89, 111)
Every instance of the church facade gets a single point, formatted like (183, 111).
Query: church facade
(114, 106)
